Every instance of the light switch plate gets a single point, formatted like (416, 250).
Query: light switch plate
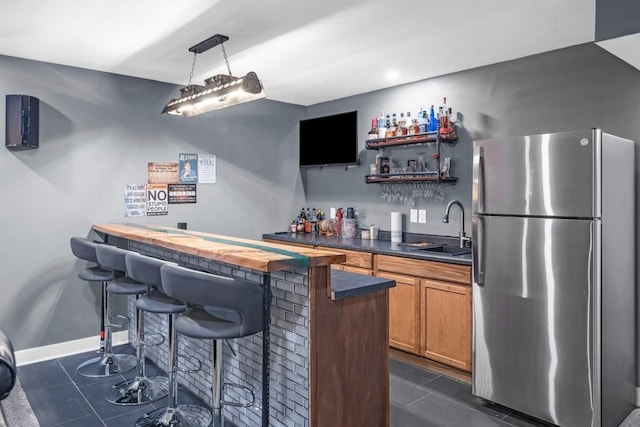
(422, 216)
(413, 216)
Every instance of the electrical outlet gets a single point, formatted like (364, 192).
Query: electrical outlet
(413, 217)
(422, 216)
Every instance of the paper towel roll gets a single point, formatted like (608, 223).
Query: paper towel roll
(396, 227)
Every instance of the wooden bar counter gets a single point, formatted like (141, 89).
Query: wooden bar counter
(327, 358)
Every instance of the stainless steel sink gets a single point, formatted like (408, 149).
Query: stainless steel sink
(445, 249)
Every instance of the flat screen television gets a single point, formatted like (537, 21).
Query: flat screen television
(329, 140)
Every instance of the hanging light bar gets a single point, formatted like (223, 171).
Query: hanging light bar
(219, 91)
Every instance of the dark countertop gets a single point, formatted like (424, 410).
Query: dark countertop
(345, 284)
(380, 246)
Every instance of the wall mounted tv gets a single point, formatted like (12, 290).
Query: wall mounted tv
(329, 140)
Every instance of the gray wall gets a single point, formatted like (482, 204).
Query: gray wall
(97, 133)
(616, 18)
(569, 89)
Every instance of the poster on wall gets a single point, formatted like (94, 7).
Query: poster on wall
(157, 200)
(206, 168)
(188, 168)
(182, 193)
(162, 173)
(135, 200)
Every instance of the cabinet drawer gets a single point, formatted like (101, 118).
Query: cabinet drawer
(354, 258)
(426, 269)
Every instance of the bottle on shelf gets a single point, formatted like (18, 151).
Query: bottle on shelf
(391, 126)
(412, 125)
(314, 221)
(444, 124)
(373, 133)
(382, 126)
(423, 121)
(421, 166)
(433, 123)
(401, 129)
(339, 222)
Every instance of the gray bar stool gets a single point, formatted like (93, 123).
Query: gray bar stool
(140, 389)
(107, 363)
(220, 308)
(147, 269)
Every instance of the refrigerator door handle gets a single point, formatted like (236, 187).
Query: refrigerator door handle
(477, 190)
(478, 249)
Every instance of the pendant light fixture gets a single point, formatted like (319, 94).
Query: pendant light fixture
(219, 91)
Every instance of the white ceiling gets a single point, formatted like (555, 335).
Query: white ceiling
(305, 52)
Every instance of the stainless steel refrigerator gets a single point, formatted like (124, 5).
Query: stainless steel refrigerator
(553, 276)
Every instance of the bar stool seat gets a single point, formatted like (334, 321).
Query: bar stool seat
(159, 302)
(211, 323)
(126, 286)
(147, 269)
(141, 389)
(106, 363)
(221, 308)
(96, 274)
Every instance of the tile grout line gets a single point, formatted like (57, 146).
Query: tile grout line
(81, 393)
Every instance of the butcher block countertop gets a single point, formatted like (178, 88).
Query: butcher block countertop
(254, 254)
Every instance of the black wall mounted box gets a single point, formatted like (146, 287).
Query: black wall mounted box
(22, 122)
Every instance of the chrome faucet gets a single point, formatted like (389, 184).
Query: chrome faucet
(461, 233)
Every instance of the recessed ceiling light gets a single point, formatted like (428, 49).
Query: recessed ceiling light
(392, 75)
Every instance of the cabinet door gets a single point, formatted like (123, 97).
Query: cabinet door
(404, 312)
(446, 323)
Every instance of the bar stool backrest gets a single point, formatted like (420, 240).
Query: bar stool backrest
(145, 269)
(112, 257)
(84, 249)
(205, 289)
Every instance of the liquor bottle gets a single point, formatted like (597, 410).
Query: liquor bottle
(412, 125)
(391, 127)
(401, 128)
(387, 126)
(373, 133)
(433, 123)
(422, 120)
(444, 126)
(314, 221)
(382, 126)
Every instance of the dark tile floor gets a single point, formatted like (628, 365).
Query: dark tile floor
(422, 398)
(419, 398)
(61, 397)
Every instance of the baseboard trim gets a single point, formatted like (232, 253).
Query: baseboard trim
(54, 351)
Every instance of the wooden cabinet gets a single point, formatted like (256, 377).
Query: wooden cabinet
(404, 312)
(446, 323)
(430, 309)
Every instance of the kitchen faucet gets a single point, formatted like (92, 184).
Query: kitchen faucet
(461, 234)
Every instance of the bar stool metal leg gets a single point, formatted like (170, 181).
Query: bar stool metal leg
(140, 389)
(174, 414)
(216, 381)
(107, 363)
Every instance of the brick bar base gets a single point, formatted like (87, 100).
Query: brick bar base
(289, 364)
